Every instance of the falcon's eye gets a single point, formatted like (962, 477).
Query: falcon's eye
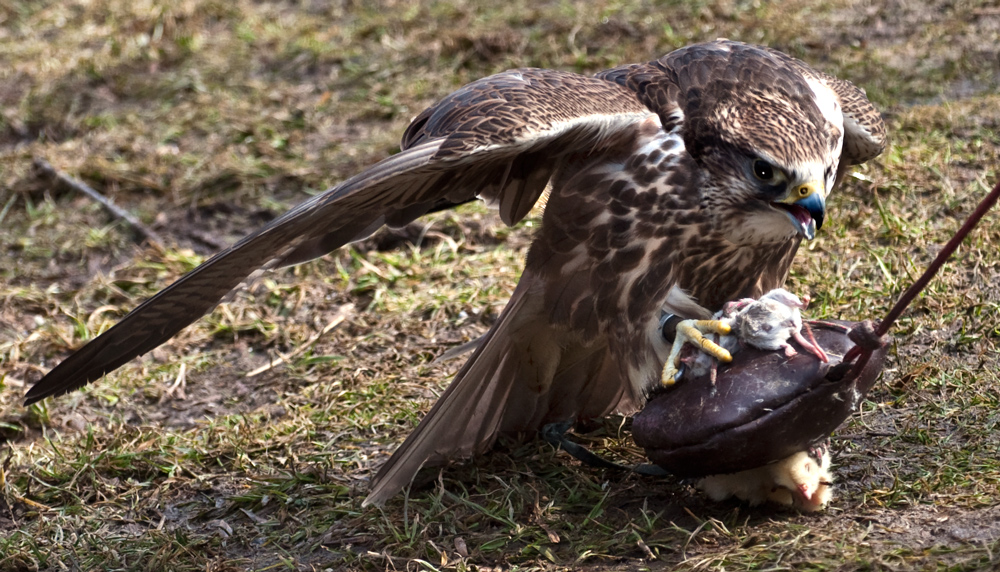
(763, 170)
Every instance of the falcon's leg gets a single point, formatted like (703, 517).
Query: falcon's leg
(693, 331)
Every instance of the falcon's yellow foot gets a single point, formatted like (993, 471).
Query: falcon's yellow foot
(693, 331)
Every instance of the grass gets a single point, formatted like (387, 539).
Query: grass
(207, 118)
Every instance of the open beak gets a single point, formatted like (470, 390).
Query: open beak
(805, 207)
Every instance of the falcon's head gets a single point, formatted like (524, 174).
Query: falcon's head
(769, 140)
(771, 161)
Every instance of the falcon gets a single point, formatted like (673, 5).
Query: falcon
(701, 170)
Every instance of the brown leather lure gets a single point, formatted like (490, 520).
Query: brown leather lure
(764, 407)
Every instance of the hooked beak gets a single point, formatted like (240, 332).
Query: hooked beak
(805, 207)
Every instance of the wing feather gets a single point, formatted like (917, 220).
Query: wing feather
(864, 130)
(522, 122)
(466, 418)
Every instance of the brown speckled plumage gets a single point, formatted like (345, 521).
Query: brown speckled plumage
(652, 170)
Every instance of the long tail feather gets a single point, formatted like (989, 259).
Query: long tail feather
(466, 419)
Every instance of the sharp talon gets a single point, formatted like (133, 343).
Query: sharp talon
(722, 355)
(693, 331)
(670, 374)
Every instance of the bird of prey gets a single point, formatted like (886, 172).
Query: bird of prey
(702, 169)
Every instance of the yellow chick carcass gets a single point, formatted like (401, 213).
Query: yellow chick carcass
(802, 481)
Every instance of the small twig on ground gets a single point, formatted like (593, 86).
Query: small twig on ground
(46, 168)
(4, 468)
(178, 386)
(342, 314)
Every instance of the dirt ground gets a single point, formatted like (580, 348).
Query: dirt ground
(207, 119)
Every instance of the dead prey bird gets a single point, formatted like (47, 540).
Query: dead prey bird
(702, 169)
(767, 323)
(802, 481)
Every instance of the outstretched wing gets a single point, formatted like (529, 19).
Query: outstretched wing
(500, 138)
